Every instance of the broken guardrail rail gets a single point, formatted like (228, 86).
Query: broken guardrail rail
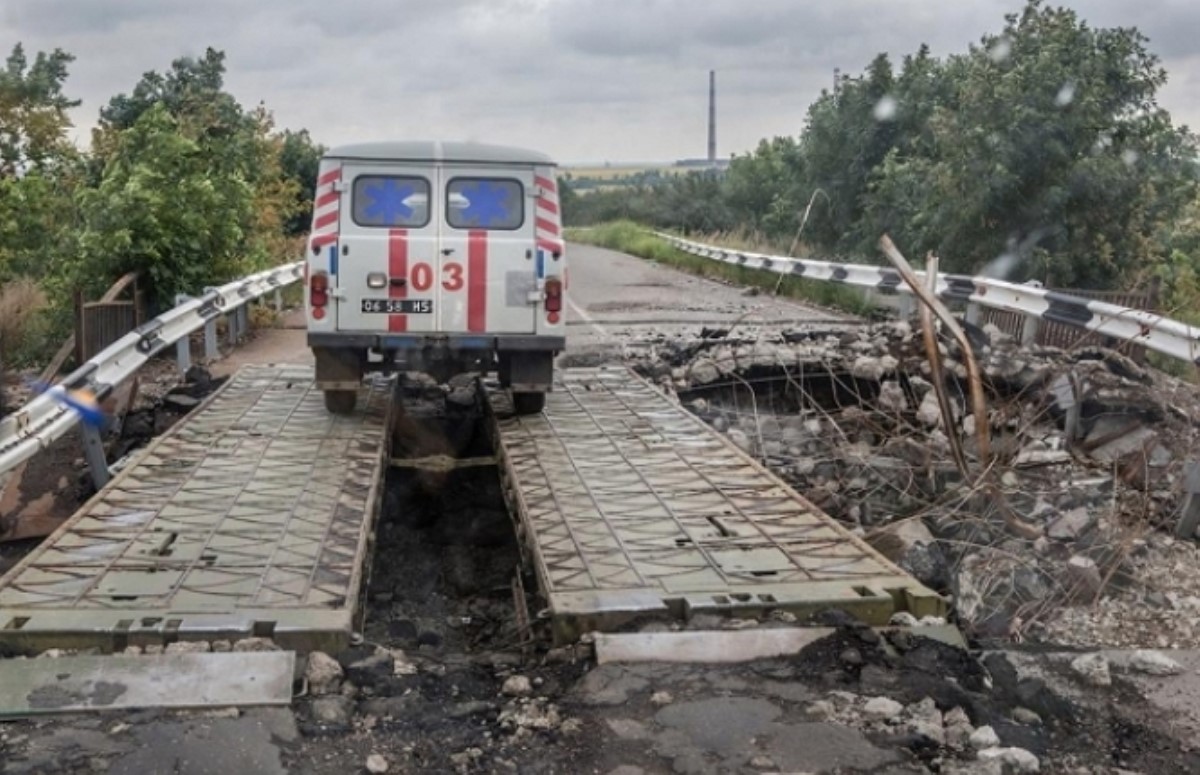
(1149, 329)
(44, 419)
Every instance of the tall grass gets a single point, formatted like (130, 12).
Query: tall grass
(22, 302)
(629, 237)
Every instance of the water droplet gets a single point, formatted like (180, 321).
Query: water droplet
(1066, 95)
(885, 109)
(1000, 50)
(1130, 157)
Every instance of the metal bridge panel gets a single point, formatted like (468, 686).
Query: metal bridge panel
(633, 507)
(252, 515)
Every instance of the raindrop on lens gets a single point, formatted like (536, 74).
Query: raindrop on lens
(1066, 95)
(885, 109)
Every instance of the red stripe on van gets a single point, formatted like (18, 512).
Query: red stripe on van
(547, 226)
(325, 199)
(549, 245)
(477, 282)
(545, 183)
(329, 177)
(325, 220)
(321, 240)
(397, 267)
(547, 205)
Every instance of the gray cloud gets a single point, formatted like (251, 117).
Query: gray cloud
(586, 80)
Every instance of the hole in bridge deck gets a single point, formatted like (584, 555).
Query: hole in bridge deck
(16, 623)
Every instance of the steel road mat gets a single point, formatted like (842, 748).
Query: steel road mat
(632, 508)
(250, 517)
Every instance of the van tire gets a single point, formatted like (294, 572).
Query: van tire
(529, 403)
(340, 401)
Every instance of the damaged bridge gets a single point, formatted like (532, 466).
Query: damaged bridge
(254, 517)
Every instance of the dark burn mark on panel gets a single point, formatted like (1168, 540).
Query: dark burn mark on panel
(1070, 310)
(959, 287)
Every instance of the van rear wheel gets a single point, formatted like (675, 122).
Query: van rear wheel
(529, 403)
(340, 401)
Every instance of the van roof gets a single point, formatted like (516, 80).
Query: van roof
(426, 151)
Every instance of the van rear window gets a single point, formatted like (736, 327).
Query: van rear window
(391, 201)
(485, 203)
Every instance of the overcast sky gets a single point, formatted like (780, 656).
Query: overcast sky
(584, 80)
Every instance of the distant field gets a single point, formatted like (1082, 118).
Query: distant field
(617, 172)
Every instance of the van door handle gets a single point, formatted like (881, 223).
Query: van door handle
(447, 251)
(398, 282)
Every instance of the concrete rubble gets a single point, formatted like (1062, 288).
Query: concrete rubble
(1077, 504)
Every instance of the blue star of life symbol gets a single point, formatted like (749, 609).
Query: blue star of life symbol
(387, 202)
(486, 204)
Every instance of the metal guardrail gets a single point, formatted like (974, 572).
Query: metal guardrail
(44, 419)
(1149, 329)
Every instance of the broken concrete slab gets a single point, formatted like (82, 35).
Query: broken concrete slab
(30, 687)
(728, 646)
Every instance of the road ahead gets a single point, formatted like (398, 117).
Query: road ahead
(615, 297)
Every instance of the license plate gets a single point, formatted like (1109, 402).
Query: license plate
(398, 306)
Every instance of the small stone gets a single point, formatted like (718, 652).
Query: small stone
(662, 698)
(1154, 663)
(118, 729)
(255, 644)
(763, 763)
(929, 413)
(1085, 574)
(930, 730)
(222, 646)
(822, 710)
(376, 764)
(1072, 525)
(956, 717)
(132, 651)
(882, 709)
(1093, 668)
(517, 686)
(984, 738)
(401, 665)
(323, 673)
(903, 619)
(1015, 759)
(1026, 716)
(332, 710)
(571, 726)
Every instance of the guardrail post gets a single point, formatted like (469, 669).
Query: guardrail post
(974, 313)
(183, 347)
(1029, 330)
(278, 300)
(93, 453)
(210, 339)
(243, 313)
(231, 319)
(1189, 520)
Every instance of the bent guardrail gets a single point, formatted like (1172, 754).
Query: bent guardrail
(44, 419)
(1149, 329)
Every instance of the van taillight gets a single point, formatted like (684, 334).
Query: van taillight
(318, 293)
(553, 290)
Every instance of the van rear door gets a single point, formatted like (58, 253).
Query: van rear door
(388, 249)
(488, 274)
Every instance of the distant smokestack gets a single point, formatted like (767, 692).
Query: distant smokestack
(712, 116)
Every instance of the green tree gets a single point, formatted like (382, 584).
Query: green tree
(165, 208)
(33, 112)
(299, 159)
(1051, 158)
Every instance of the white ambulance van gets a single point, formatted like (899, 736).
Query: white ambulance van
(438, 257)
